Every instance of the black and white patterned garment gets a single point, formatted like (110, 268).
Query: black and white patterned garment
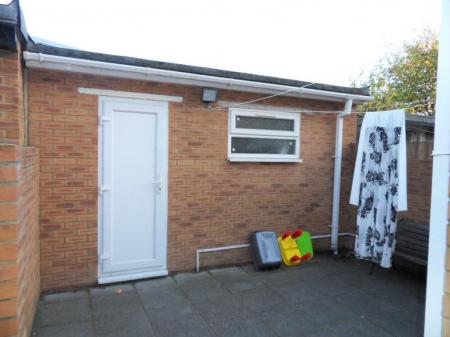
(381, 171)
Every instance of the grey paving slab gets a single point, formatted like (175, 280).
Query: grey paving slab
(323, 298)
(163, 282)
(201, 290)
(220, 308)
(406, 323)
(111, 290)
(360, 328)
(183, 321)
(66, 296)
(328, 312)
(84, 329)
(235, 279)
(261, 300)
(116, 304)
(298, 293)
(277, 277)
(242, 328)
(331, 286)
(308, 273)
(185, 278)
(153, 298)
(364, 304)
(290, 323)
(63, 312)
(134, 324)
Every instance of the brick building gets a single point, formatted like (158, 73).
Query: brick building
(114, 168)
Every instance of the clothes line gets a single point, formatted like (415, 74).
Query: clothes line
(319, 111)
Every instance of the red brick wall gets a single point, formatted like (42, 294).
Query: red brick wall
(19, 195)
(211, 201)
(19, 239)
(11, 98)
(28, 246)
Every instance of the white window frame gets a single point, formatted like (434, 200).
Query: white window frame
(233, 131)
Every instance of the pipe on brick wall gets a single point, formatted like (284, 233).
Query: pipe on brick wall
(246, 245)
(25, 107)
(337, 174)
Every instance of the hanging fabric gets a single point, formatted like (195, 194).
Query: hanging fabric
(379, 184)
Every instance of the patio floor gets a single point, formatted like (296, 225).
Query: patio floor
(320, 299)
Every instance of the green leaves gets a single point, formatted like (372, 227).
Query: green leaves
(406, 79)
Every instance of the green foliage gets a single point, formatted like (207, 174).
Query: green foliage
(406, 79)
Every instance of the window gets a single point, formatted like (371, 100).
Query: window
(265, 136)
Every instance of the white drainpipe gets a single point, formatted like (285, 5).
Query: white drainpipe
(337, 174)
(434, 306)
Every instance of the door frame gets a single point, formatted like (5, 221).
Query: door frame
(162, 219)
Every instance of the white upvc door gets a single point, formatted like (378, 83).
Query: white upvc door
(133, 170)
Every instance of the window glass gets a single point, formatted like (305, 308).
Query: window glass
(262, 145)
(264, 123)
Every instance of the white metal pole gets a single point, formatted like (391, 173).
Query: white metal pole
(337, 174)
(439, 191)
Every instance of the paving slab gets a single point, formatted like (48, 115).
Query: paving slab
(134, 324)
(405, 323)
(202, 288)
(66, 296)
(163, 282)
(291, 323)
(234, 279)
(63, 312)
(359, 328)
(111, 290)
(298, 293)
(364, 304)
(261, 300)
(183, 321)
(242, 328)
(186, 278)
(84, 329)
(331, 286)
(116, 304)
(220, 308)
(332, 298)
(153, 298)
(328, 312)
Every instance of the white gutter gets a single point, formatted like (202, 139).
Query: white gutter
(437, 248)
(45, 61)
(337, 174)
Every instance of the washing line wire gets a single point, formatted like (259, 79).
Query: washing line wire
(264, 98)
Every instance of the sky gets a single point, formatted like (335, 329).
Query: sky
(326, 41)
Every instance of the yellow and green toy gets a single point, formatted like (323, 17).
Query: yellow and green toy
(304, 244)
(290, 249)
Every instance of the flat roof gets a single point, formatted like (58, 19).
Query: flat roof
(11, 14)
(132, 61)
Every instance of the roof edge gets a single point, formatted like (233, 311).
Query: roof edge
(149, 73)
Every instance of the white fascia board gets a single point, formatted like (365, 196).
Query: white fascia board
(129, 94)
(45, 61)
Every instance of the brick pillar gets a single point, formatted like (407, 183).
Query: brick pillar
(19, 202)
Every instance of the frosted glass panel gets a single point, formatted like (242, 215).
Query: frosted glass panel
(262, 145)
(264, 123)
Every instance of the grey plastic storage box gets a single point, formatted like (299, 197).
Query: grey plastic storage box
(265, 250)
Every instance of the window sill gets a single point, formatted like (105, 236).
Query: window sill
(267, 160)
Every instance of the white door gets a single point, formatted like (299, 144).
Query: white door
(133, 189)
